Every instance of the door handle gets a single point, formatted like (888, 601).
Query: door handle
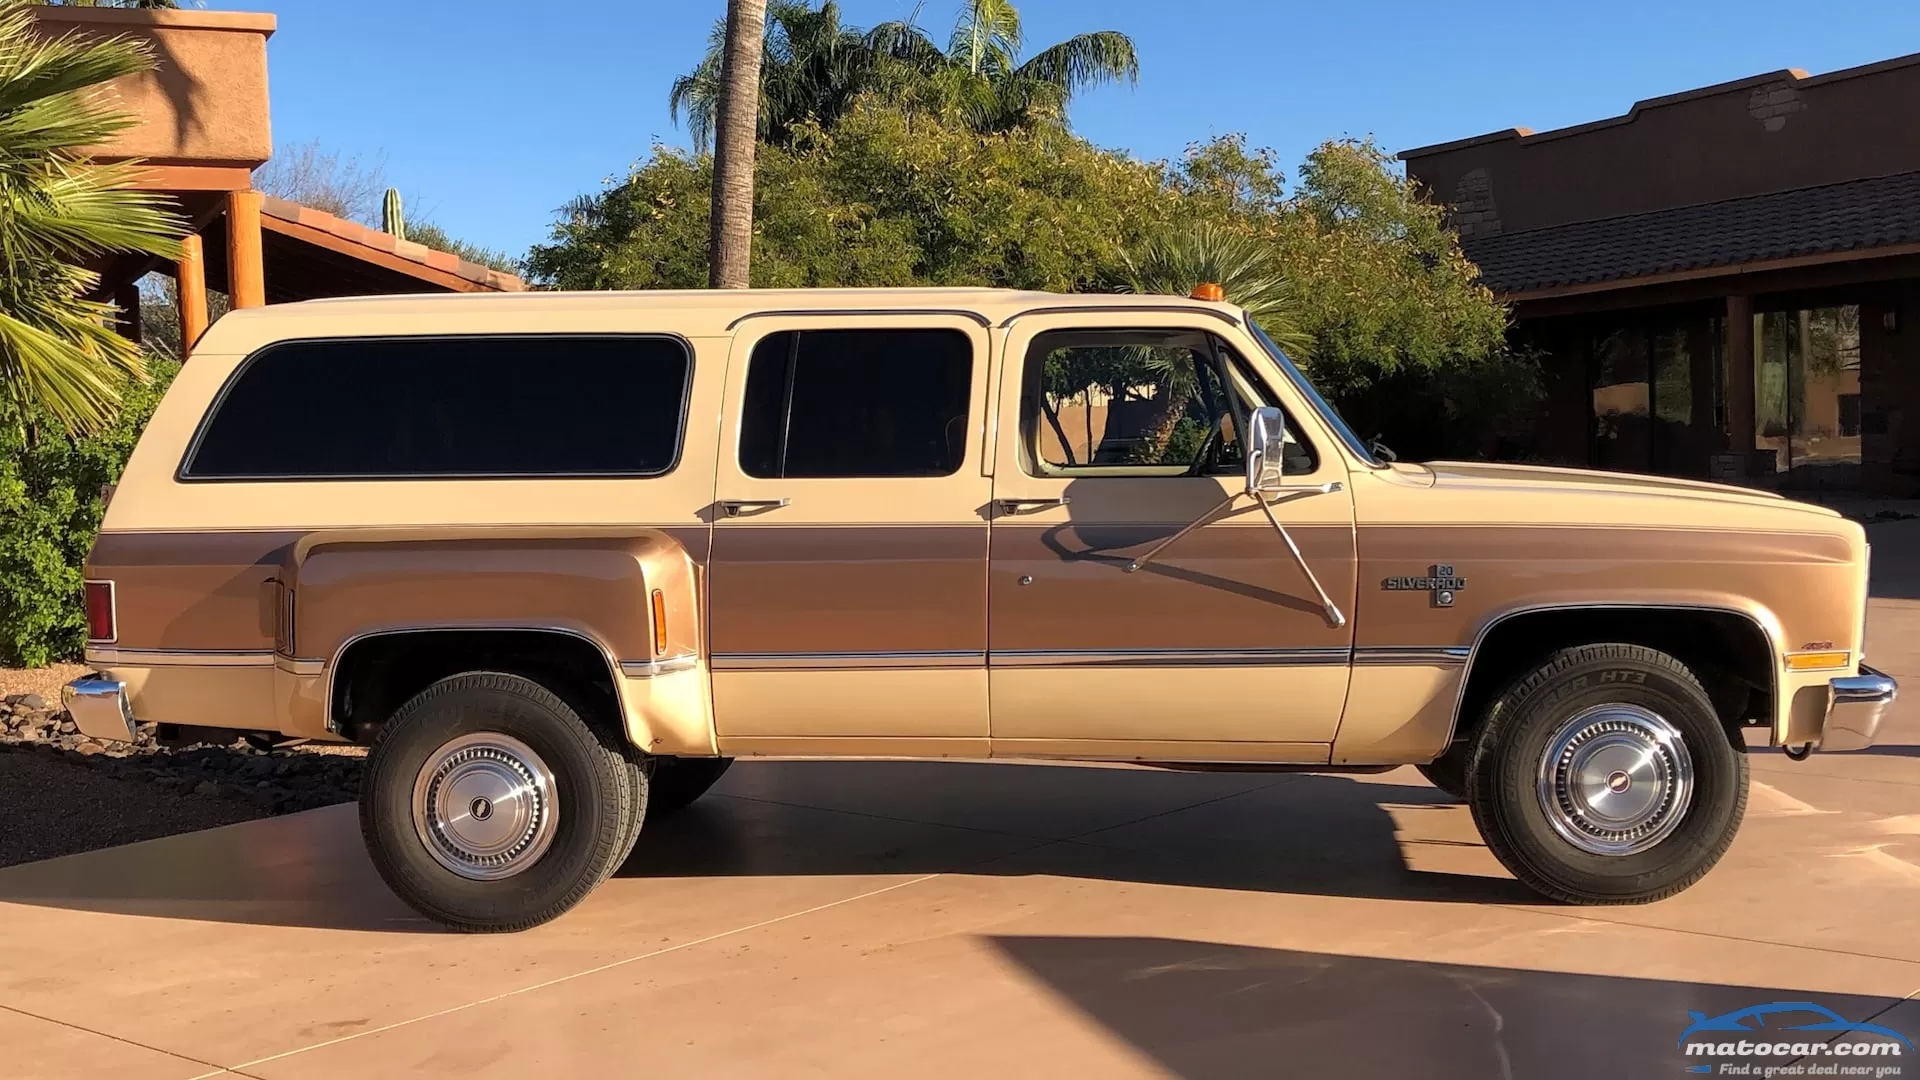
(737, 507)
(1018, 506)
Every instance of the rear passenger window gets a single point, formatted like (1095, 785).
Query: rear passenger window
(405, 408)
(857, 403)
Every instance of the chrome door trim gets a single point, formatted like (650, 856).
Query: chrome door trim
(1166, 657)
(801, 661)
(815, 313)
(181, 657)
(1423, 655)
(296, 665)
(666, 665)
(1082, 309)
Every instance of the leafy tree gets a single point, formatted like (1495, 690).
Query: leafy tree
(58, 213)
(1349, 269)
(1383, 284)
(50, 509)
(815, 68)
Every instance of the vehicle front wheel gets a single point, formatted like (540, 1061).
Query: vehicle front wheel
(490, 805)
(1605, 777)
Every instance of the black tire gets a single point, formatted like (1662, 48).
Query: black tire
(1505, 768)
(639, 782)
(1448, 772)
(677, 782)
(590, 778)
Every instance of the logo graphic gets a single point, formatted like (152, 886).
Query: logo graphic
(1733, 1035)
(1440, 584)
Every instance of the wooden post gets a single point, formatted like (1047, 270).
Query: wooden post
(1740, 376)
(127, 299)
(191, 273)
(246, 268)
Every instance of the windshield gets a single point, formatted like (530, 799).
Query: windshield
(1327, 411)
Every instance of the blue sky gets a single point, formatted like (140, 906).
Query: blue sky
(490, 115)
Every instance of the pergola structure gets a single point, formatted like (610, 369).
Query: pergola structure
(205, 129)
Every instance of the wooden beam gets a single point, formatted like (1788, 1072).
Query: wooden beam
(191, 272)
(194, 178)
(246, 264)
(373, 256)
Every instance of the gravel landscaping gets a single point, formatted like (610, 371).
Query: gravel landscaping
(62, 792)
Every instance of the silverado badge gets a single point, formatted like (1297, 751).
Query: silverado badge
(1440, 584)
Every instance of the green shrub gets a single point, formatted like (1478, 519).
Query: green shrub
(50, 509)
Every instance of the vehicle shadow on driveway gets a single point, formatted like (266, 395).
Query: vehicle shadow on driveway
(1203, 1010)
(1283, 833)
(1286, 833)
(304, 870)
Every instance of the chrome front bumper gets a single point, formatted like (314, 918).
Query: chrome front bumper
(1855, 706)
(99, 707)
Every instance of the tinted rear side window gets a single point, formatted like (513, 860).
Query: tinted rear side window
(388, 408)
(857, 403)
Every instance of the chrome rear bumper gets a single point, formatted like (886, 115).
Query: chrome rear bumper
(99, 707)
(1855, 706)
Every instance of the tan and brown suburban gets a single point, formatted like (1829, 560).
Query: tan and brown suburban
(559, 558)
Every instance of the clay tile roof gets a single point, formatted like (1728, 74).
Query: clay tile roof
(1857, 215)
(376, 241)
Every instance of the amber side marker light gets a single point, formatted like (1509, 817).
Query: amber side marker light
(659, 623)
(1209, 291)
(100, 613)
(1815, 661)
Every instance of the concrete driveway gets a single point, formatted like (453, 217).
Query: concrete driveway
(958, 919)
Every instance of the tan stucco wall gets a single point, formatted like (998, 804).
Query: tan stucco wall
(1774, 132)
(206, 102)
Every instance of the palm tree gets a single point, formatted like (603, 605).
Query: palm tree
(981, 77)
(812, 66)
(59, 213)
(815, 67)
(730, 241)
(1176, 259)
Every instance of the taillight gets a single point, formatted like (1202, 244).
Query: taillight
(100, 614)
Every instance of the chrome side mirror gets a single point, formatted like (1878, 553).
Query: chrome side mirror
(1266, 449)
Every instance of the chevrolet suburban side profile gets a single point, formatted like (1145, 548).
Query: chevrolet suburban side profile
(558, 559)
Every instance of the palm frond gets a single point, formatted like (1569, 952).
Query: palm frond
(34, 69)
(59, 352)
(63, 356)
(1174, 260)
(1085, 60)
(77, 211)
(986, 37)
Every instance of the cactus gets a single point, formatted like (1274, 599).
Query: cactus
(391, 219)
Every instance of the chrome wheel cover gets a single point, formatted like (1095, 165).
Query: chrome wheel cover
(1616, 780)
(485, 806)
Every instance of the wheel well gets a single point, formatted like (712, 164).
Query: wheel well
(377, 674)
(1727, 651)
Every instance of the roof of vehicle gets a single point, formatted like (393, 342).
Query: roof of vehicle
(699, 311)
